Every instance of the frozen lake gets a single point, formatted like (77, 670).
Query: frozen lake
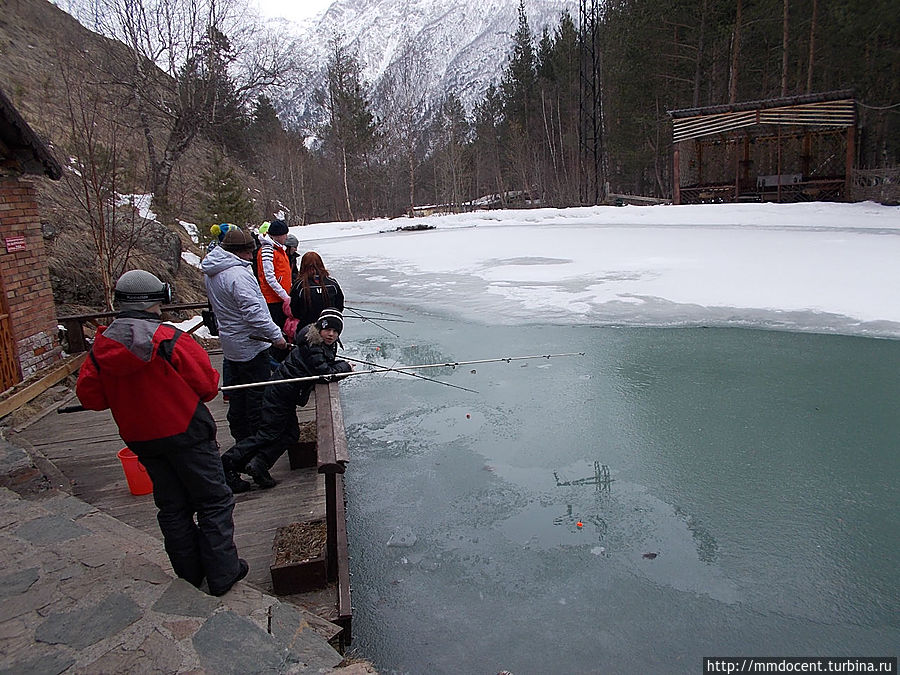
(759, 466)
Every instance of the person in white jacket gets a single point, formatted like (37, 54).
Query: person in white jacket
(241, 312)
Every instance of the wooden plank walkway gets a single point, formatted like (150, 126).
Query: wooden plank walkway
(83, 447)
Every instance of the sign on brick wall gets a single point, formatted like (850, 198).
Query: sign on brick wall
(15, 244)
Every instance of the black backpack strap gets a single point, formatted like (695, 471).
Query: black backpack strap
(167, 346)
(94, 359)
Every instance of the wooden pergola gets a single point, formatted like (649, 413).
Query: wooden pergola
(798, 148)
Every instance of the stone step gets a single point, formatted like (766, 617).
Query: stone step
(83, 592)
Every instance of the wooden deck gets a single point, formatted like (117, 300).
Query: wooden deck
(83, 447)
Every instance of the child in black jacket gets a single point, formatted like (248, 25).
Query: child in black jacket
(315, 353)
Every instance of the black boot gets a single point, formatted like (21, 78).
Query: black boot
(243, 568)
(233, 478)
(259, 472)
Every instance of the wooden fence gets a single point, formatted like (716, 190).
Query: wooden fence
(331, 448)
(74, 325)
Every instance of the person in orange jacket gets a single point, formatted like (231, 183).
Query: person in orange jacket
(155, 381)
(273, 269)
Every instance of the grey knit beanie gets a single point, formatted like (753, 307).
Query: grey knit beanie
(138, 289)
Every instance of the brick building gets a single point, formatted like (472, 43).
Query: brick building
(28, 325)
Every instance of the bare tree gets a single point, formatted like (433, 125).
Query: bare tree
(402, 99)
(189, 60)
(784, 48)
(96, 146)
(735, 54)
(812, 42)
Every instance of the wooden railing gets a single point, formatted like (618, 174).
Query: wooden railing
(74, 325)
(333, 456)
(829, 189)
(9, 360)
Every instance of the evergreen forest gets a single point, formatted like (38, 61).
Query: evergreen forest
(197, 94)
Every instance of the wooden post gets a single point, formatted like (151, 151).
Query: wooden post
(737, 172)
(345, 611)
(778, 171)
(806, 157)
(848, 169)
(676, 174)
(331, 442)
(745, 163)
(699, 149)
(74, 334)
(331, 498)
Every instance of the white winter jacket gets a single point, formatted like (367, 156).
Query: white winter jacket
(239, 305)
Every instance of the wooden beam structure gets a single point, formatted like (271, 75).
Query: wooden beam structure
(732, 131)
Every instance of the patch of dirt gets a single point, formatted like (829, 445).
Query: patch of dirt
(20, 417)
(26, 482)
(299, 542)
(307, 432)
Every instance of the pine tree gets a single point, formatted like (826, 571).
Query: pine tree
(226, 199)
(349, 132)
(519, 82)
(487, 145)
(450, 154)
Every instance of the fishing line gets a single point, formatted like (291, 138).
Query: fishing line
(403, 372)
(374, 311)
(340, 376)
(372, 321)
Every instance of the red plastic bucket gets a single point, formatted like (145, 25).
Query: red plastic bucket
(138, 479)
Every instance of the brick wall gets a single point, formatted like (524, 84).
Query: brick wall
(26, 279)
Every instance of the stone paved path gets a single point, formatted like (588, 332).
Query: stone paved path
(81, 592)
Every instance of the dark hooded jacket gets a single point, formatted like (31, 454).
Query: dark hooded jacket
(311, 356)
(307, 304)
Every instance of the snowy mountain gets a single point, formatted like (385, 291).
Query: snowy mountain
(442, 45)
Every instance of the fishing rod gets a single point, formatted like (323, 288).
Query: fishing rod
(339, 376)
(385, 368)
(373, 322)
(369, 318)
(505, 359)
(372, 311)
(403, 372)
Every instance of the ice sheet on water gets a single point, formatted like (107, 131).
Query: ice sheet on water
(402, 538)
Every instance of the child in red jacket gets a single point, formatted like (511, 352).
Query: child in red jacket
(155, 380)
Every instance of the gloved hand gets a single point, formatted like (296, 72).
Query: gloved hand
(286, 308)
(290, 328)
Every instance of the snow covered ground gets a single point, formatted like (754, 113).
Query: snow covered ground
(821, 267)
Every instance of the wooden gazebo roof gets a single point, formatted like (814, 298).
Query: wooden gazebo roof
(20, 147)
(827, 109)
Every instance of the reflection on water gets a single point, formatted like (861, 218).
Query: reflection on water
(515, 529)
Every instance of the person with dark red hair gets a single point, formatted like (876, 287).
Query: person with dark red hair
(314, 291)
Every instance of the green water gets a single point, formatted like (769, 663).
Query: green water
(760, 467)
